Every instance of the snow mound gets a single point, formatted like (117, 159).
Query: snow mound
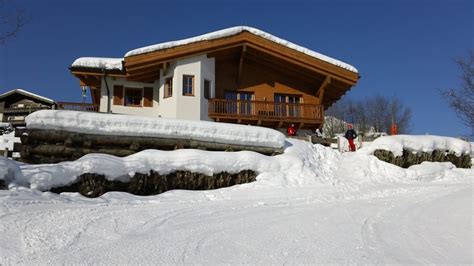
(99, 62)
(234, 31)
(421, 143)
(47, 176)
(301, 165)
(128, 125)
(356, 169)
(10, 170)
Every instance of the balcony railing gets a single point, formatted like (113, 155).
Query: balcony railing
(264, 110)
(87, 107)
(24, 110)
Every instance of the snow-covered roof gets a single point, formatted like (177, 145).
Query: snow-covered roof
(234, 31)
(129, 125)
(99, 62)
(421, 143)
(26, 93)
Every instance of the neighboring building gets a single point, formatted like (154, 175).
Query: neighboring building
(16, 104)
(238, 75)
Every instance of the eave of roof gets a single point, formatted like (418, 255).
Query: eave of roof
(98, 63)
(234, 31)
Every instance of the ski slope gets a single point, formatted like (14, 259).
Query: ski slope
(355, 209)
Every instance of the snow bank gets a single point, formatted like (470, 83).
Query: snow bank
(44, 177)
(120, 125)
(10, 170)
(422, 143)
(99, 62)
(301, 165)
(234, 31)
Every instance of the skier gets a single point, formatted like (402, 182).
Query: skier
(291, 130)
(350, 136)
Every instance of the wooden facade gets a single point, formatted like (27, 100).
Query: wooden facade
(257, 81)
(15, 105)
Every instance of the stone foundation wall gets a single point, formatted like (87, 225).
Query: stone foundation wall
(409, 158)
(94, 185)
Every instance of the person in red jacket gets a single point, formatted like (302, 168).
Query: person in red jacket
(350, 136)
(291, 130)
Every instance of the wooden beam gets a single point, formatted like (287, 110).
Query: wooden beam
(145, 68)
(227, 52)
(241, 63)
(322, 89)
(165, 68)
(256, 58)
(145, 76)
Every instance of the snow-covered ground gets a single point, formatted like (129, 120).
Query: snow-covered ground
(308, 205)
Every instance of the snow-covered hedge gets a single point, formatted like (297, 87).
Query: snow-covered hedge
(128, 125)
(407, 150)
(419, 143)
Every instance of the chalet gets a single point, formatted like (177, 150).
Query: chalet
(16, 104)
(237, 75)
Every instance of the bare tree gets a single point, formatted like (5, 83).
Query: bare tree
(376, 113)
(12, 19)
(462, 99)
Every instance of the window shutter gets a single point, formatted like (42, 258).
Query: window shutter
(118, 95)
(148, 97)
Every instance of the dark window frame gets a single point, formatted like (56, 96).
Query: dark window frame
(168, 88)
(207, 90)
(186, 87)
(127, 89)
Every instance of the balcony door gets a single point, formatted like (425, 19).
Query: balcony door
(287, 105)
(239, 102)
(294, 106)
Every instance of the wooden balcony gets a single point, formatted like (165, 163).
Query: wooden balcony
(266, 113)
(86, 107)
(24, 110)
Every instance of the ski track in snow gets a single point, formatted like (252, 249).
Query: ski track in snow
(313, 225)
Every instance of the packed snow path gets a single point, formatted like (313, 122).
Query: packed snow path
(384, 224)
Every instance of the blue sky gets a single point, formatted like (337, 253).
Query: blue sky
(401, 48)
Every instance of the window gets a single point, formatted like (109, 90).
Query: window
(239, 102)
(133, 97)
(188, 85)
(207, 89)
(287, 105)
(168, 88)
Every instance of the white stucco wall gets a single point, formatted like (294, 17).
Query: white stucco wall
(178, 105)
(187, 107)
(207, 72)
(168, 105)
(120, 109)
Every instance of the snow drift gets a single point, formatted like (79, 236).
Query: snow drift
(301, 164)
(128, 125)
(421, 143)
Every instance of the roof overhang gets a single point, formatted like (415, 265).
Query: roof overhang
(148, 64)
